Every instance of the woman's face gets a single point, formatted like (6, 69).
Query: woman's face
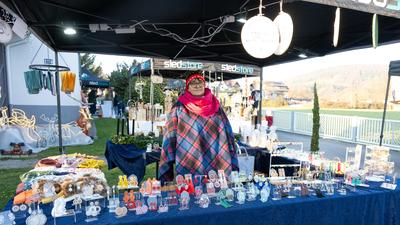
(196, 87)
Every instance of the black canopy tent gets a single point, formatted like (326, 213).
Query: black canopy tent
(90, 80)
(171, 29)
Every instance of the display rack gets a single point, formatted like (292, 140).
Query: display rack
(282, 153)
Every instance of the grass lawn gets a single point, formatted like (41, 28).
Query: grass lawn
(377, 114)
(105, 128)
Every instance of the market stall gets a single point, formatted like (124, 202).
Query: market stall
(330, 193)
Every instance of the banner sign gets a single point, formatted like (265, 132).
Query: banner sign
(146, 65)
(193, 65)
(169, 64)
(381, 7)
(238, 69)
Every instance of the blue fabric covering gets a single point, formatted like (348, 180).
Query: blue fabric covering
(128, 158)
(366, 206)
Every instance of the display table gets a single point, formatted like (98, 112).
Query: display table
(366, 206)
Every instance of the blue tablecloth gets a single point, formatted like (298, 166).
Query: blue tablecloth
(128, 158)
(366, 206)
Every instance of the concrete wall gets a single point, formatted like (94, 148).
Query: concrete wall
(19, 56)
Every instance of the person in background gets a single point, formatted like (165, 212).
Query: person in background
(116, 101)
(198, 136)
(92, 101)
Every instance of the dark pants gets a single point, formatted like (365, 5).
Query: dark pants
(92, 109)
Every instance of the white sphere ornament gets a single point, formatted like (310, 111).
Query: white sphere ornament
(260, 37)
(284, 23)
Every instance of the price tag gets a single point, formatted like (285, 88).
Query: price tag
(389, 186)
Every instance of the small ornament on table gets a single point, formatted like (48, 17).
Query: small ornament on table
(163, 206)
(184, 200)
(172, 198)
(241, 197)
(222, 179)
(210, 189)
(220, 197)
(142, 210)
(181, 185)
(264, 193)
(204, 201)
(133, 181)
(152, 203)
(155, 187)
(230, 195)
(189, 182)
(146, 188)
(198, 191)
(59, 207)
(121, 211)
(251, 192)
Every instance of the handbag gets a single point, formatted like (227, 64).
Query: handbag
(245, 161)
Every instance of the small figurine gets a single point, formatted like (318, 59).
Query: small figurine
(59, 207)
(133, 181)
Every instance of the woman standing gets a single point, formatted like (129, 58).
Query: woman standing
(198, 135)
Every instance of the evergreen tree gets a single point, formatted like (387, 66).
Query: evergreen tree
(316, 124)
(87, 61)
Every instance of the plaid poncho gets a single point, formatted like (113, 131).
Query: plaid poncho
(197, 144)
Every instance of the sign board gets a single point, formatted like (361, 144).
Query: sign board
(238, 69)
(156, 79)
(381, 7)
(194, 65)
(188, 65)
(146, 65)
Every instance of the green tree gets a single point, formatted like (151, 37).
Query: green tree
(316, 124)
(87, 61)
(120, 79)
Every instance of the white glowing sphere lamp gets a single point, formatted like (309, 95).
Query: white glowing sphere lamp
(284, 23)
(260, 37)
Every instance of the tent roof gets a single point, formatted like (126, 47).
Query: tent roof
(89, 80)
(313, 27)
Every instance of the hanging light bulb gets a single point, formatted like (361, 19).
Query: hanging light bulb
(336, 27)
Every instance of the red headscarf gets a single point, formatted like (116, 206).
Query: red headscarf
(205, 106)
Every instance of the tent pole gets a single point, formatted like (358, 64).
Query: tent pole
(384, 111)
(60, 144)
(260, 101)
(152, 96)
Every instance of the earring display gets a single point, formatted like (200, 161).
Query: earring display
(77, 203)
(36, 218)
(92, 211)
